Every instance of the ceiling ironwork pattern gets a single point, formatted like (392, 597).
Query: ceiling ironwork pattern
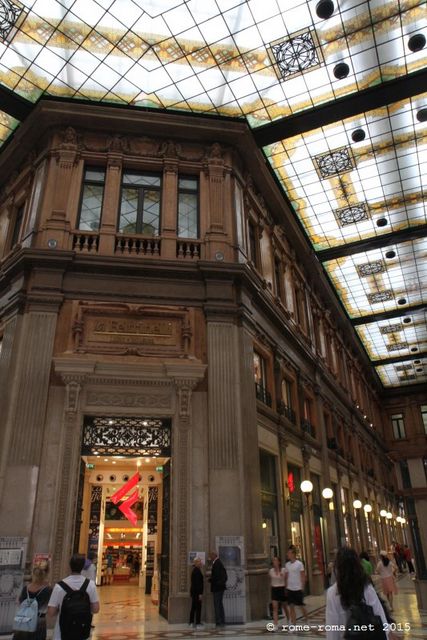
(351, 181)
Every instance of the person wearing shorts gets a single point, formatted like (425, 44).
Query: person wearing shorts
(294, 583)
(277, 582)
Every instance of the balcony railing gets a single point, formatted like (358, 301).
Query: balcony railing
(286, 411)
(188, 249)
(262, 394)
(137, 245)
(308, 427)
(85, 241)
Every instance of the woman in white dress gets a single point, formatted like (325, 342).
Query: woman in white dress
(387, 570)
(352, 586)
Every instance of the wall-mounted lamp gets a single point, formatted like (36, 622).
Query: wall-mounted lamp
(389, 515)
(264, 525)
(367, 508)
(383, 513)
(327, 493)
(357, 504)
(306, 487)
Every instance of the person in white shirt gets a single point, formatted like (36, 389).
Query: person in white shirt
(294, 582)
(277, 582)
(387, 571)
(352, 586)
(75, 581)
(89, 570)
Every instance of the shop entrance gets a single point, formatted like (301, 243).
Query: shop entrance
(123, 507)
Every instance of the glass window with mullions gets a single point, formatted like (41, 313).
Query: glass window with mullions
(140, 204)
(92, 197)
(188, 208)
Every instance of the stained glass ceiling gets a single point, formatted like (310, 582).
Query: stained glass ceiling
(354, 182)
(263, 59)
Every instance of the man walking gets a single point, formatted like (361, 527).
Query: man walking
(75, 599)
(295, 582)
(218, 581)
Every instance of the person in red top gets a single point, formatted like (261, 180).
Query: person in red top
(408, 558)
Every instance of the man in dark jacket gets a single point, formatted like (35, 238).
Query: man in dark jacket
(196, 593)
(218, 581)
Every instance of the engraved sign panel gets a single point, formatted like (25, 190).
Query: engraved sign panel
(131, 330)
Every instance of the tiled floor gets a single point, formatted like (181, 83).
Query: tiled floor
(127, 614)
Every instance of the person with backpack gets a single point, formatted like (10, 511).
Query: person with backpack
(352, 603)
(73, 602)
(30, 618)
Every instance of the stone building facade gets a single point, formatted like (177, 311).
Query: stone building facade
(150, 268)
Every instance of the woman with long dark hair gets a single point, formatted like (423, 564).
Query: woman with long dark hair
(278, 596)
(352, 586)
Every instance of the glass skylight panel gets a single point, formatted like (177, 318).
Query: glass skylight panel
(398, 336)
(7, 126)
(370, 282)
(404, 373)
(382, 174)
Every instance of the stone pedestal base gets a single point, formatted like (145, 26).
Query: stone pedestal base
(317, 586)
(421, 591)
(179, 609)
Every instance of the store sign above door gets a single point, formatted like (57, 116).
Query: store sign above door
(126, 506)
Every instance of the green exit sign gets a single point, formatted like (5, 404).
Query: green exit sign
(89, 465)
(160, 469)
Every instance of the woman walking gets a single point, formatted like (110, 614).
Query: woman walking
(351, 588)
(39, 589)
(277, 583)
(387, 570)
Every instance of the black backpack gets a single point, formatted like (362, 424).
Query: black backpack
(362, 616)
(75, 618)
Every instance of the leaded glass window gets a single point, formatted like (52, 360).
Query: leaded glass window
(140, 204)
(91, 202)
(188, 208)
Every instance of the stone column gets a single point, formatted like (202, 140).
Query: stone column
(181, 511)
(331, 537)
(69, 454)
(169, 215)
(285, 540)
(23, 417)
(111, 200)
(315, 573)
(58, 223)
(234, 478)
(216, 172)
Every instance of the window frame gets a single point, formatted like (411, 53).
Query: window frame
(17, 220)
(95, 183)
(423, 411)
(396, 419)
(191, 192)
(140, 206)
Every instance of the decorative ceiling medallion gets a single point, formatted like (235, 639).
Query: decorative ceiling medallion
(403, 367)
(380, 296)
(353, 214)
(392, 328)
(296, 54)
(10, 12)
(334, 162)
(370, 268)
(397, 346)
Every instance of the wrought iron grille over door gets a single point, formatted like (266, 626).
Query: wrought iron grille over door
(126, 436)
